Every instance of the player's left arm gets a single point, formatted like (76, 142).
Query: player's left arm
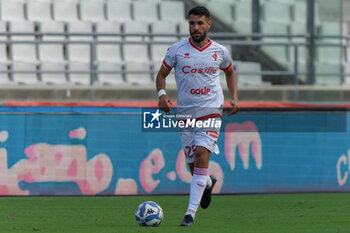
(231, 82)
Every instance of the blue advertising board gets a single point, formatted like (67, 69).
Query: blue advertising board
(106, 151)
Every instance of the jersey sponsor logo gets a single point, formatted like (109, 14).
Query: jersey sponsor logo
(206, 70)
(203, 91)
(215, 56)
(187, 55)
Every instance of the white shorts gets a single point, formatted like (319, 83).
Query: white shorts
(191, 138)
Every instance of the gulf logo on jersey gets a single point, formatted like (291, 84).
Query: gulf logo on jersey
(205, 70)
(215, 56)
(203, 91)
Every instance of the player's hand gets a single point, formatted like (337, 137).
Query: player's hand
(164, 103)
(235, 107)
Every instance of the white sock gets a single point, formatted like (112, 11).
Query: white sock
(198, 183)
(209, 182)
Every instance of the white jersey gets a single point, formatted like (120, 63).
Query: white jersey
(197, 77)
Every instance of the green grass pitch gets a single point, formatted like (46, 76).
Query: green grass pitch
(270, 213)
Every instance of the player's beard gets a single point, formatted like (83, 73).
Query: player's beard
(199, 39)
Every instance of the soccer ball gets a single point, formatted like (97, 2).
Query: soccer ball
(149, 213)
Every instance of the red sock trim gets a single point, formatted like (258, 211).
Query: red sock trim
(200, 171)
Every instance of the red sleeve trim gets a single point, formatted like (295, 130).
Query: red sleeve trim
(166, 65)
(229, 66)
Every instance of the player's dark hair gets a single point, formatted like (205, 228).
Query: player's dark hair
(199, 10)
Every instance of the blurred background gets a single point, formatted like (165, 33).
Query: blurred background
(72, 50)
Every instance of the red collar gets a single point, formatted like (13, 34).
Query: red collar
(203, 48)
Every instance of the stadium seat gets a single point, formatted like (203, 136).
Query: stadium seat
(109, 78)
(242, 26)
(145, 11)
(172, 11)
(3, 47)
(138, 78)
(52, 52)
(346, 8)
(108, 52)
(22, 27)
(39, 10)
(244, 78)
(136, 53)
(278, 53)
(243, 17)
(119, 11)
(79, 52)
(202, 2)
(3, 29)
(298, 28)
(108, 27)
(327, 74)
(3, 53)
(328, 11)
(275, 28)
(346, 68)
(136, 27)
(330, 28)
(299, 12)
(28, 75)
(52, 27)
(12, 10)
(23, 52)
(276, 12)
(331, 55)
(223, 11)
(243, 10)
(4, 79)
(92, 10)
(183, 29)
(64, 10)
(282, 1)
(166, 28)
(79, 78)
(53, 78)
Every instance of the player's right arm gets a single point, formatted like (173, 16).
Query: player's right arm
(164, 101)
(168, 63)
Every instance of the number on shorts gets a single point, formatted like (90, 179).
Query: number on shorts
(188, 150)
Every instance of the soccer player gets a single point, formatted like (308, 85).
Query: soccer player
(197, 61)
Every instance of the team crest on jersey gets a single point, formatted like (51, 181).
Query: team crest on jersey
(215, 56)
(187, 55)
